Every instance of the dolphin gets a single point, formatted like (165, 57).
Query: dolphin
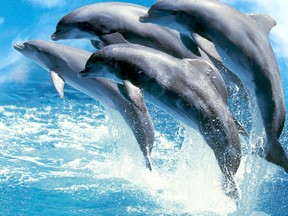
(64, 63)
(115, 22)
(242, 42)
(182, 88)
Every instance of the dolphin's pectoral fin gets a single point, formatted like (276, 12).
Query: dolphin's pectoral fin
(58, 83)
(135, 95)
(98, 44)
(114, 38)
(265, 22)
(207, 46)
(148, 162)
(240, 128)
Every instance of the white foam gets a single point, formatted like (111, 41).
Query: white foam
(183, 181)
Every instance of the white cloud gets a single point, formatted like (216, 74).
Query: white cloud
(2, 20)
(18, 73)
(47, 3)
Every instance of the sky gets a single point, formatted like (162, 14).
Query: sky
(22, 20)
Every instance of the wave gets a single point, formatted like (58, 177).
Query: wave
(85, 151)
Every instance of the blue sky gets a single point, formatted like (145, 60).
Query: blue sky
(23, 20)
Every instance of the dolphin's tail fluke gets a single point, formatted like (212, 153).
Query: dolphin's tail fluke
(277, 154)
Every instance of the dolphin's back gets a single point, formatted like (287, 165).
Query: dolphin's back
(91, 11)
(189, 81)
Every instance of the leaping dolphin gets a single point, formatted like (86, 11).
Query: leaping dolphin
(183, 88)
(64, 63)
(242, 42)
(116, 22)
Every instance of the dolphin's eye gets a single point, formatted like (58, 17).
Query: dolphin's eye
(174, 13)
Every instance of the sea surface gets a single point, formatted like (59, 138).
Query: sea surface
(77, 157)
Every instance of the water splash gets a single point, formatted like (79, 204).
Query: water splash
(88, 155)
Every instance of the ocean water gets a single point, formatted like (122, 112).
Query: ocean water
(77, 157)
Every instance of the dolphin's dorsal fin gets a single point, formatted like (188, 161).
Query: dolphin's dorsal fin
(135, 95)
(113, 38)
(207, 46)
(265, 22)
(58, 83)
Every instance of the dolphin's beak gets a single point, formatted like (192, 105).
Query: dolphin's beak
(19, 47)
(82, 74)
(54, 37)
(144, 18)
(89, 72)
(86, 73)
(152, 14)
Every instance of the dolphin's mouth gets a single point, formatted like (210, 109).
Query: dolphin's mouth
(144, 18)
(152, 15)
(19, 47)
(54, 37)
(58, 35)
(83, 74)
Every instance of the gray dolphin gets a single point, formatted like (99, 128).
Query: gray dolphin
(65, 62)
(242, 42)
(117, 22)
(181, 87)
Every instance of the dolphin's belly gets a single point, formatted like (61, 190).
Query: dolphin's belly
(104, 91)
(170, 106)
(239, 66)
(265, 92)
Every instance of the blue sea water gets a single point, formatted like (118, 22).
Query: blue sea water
(77, 157)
